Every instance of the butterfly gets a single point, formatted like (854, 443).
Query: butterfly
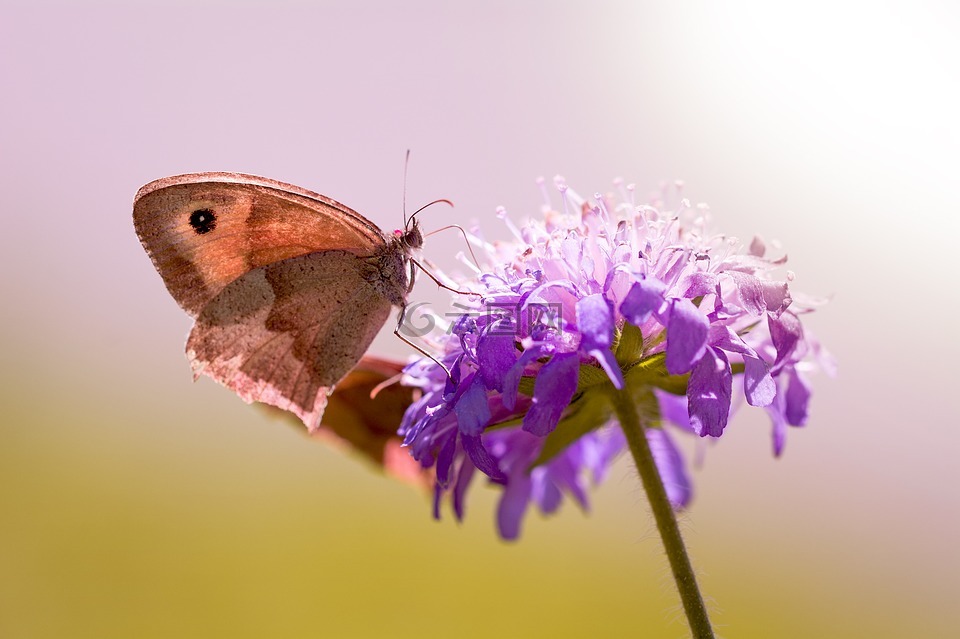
(287, 287)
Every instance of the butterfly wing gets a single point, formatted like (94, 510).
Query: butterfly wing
(365, 423)
(287, 332)
(205, 230)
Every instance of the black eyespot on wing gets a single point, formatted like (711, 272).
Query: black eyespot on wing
(203, 221)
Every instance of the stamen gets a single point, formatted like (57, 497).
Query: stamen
(542, 184)
(502, 214)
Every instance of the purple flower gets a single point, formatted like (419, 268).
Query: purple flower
(603, 297)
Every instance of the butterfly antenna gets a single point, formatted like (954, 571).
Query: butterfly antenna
(465, 240)
(406, 163)
(440, 201)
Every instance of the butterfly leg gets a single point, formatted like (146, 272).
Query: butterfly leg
(438, 282)
(465, 239)
(412, 279)
(396, 331)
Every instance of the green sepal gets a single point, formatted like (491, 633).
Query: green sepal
(629, 347)
(650, 364)
(525, 387)
(589, 375)
(673, 384)
(653, 372)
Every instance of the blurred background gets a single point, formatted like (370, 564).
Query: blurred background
(136, 503)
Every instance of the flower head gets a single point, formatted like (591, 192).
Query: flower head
(602, 296)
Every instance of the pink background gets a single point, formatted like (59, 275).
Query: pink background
(134, 503)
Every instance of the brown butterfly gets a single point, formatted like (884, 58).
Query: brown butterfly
(288, 287)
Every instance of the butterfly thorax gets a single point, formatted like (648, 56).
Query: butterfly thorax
(387, 270)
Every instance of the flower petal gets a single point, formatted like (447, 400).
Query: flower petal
(513, 505)
(595, 323)
(496, 353)
(460, 489)
(482, 459)
(674, 409)
(609, 364)
(472, 408)
(686, 336)
(798, 396)
(786, 333)
(776, 296)
(452, 382)
(546, 494)
(445, 461)
(670, 465)
(722, 336)
(751, 292)
(758, 385)
(437, 496)
(698, 284)
(709, 392)
(556, 383)
(511, 380)
(642, 300)
(778, 420)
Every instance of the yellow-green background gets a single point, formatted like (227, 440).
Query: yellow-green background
(136, 504)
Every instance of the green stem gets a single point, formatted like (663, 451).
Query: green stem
(662, 511)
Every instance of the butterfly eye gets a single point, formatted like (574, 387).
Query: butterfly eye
(203, 221)
(413, 238)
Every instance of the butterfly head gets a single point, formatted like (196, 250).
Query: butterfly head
(411, 239)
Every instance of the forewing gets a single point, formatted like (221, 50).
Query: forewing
(205, 230)
(287, 332)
